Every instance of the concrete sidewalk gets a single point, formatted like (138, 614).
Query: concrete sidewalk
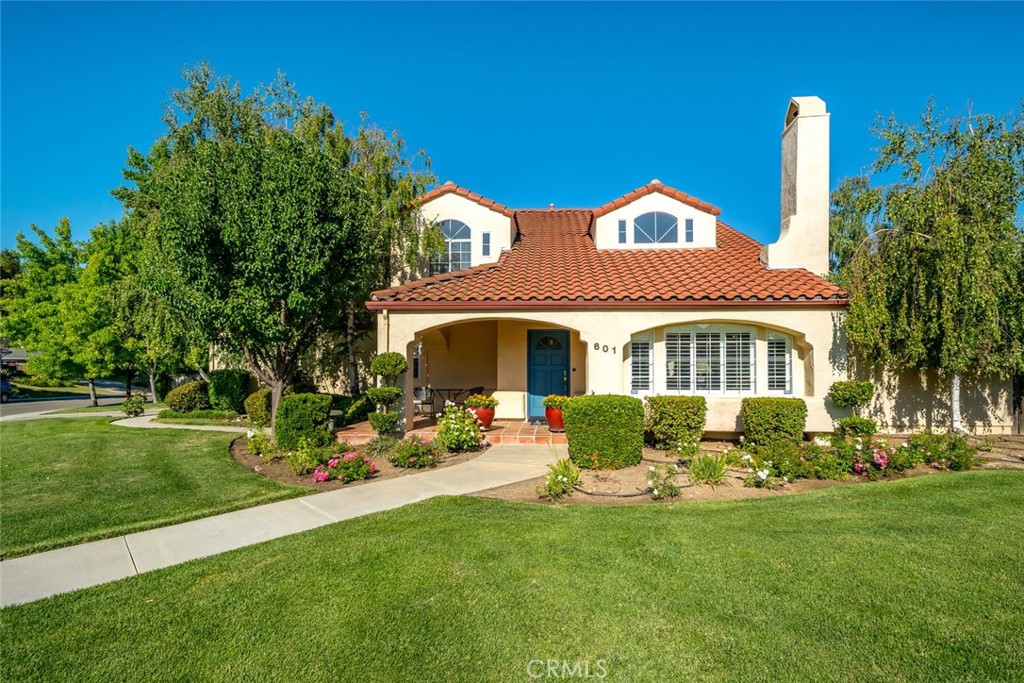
(146, 422)
(34, 577)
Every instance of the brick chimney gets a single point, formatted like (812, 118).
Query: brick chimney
(803, 240)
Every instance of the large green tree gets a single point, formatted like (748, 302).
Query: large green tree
(934, 259)
(270, 223)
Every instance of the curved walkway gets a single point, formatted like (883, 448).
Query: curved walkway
(34, 577)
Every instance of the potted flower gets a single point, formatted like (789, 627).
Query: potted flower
(483, 407)
(553, 405)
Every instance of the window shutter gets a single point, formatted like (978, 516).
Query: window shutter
(640, 365)
(707, 358)
(739, 361)
(780, 369)
(678, 368)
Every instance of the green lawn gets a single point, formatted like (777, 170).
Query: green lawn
(28, 391)
(114, 407)
(915, 580)
(78, 479)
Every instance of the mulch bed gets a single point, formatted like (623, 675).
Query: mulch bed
(278, 470)
(628, 486)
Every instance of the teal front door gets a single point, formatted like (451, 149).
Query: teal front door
(547, 368)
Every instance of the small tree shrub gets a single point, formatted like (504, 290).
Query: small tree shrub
(384, 423)
(307, 455)
(257, 407)
(227, 389)
(770, 420)
(676, 422)
(389, 365)
(303, 416)
(188, 397)
(380, 446)
(134, 405)
(605, 432)
(345, 468)
(852, 427)
(706, 468)
(662, 481)
(415, 452)
(459, 430)
(851, 394)
(260, 444)
(561, 479)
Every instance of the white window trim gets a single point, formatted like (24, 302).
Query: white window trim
(721, 330)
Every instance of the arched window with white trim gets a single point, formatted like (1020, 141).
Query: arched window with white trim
(656, 227)
(457, 248)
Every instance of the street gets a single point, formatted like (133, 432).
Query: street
(23, 406)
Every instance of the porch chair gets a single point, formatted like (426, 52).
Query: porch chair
(423, 397)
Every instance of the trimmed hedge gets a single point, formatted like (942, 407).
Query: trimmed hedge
(851, 393)
(303, 415)
(384, 397)
(227, 389)
(606, 432)
(770, 421)
(257, 407)
(352, 408)
(188, 397)
(856, 426)
(675, 420)
(384, 423)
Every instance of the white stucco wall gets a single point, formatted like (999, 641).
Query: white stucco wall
(606, 371)
(479, 219)
(607, 226)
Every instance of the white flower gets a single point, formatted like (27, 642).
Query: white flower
(249, 434)
(763, 474)
(857, 447)
(785, 479)
(655, 491)
(903, 445)
(650, 482)
(651, 468)
(726, 451)
(742, 439)
(749, 470)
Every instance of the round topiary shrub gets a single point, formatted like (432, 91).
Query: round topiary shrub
(768, 421)
(257, 407)
(851, 393)
(188, 397)
(303, 416)
(605, 432)
(389, 365)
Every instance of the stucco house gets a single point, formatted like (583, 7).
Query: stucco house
(651, 293)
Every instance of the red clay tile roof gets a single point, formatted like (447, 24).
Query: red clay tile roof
(554, 263)
(655, 186)
(450, 187)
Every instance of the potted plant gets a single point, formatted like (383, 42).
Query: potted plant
(483, 407)
(553, 405)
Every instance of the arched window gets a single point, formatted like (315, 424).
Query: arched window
(457, 248)
(656, 227)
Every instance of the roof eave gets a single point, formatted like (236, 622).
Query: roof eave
(565, 305)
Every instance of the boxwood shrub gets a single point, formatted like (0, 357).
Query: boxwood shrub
(257, 407)
(303, 415)
(855, 426)
(769, 421)
(352, 408)
(188, 397)
(227, 389)
(851, 393)
(676, 422)
(606, 432)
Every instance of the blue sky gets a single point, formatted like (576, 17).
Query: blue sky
(528, 104)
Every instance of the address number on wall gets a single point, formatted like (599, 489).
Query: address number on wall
(603, 347)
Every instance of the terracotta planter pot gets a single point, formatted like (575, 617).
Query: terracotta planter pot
(485, 415)
(554, 418)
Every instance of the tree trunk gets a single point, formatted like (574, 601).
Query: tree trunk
(958, 425)
(152, 388)
(202, 374)
(276, 392)
(129, 375)
(353, 365)
(92, 392)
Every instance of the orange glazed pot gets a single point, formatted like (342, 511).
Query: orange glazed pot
(554, 418)
(485, 415)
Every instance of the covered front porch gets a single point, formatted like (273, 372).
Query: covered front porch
(519, 362)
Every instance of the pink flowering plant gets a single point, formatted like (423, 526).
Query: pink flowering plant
(415, 452)
(345, 468)
(871, 458)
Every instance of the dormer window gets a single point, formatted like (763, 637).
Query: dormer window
(457, 248)
(656, 227)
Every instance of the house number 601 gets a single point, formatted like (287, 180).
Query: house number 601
(605, 348)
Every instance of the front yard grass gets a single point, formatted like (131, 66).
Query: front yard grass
(70, 480)
(913, 580)
(29, 391)
(113, 407)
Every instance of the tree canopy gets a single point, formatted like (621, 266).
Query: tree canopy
(934, 260)
(267, 224)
